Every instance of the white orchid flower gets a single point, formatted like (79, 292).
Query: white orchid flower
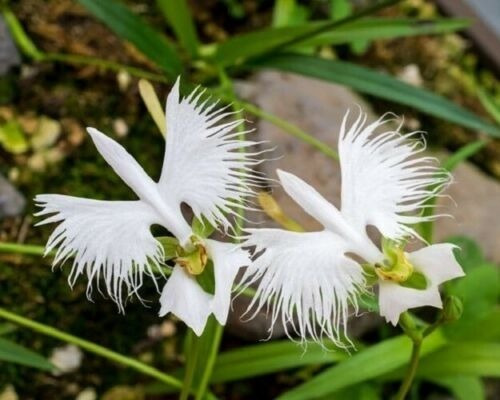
(310, 280)
(203, 167)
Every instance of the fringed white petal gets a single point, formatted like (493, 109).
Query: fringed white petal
(385, 179)
(227, 259)
(204, 165)
(438, 264)
(184, 297)
(107, 239)
(306, 280)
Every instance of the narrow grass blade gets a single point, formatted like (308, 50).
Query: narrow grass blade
(122, 21)
(178, 15)
(377, 84)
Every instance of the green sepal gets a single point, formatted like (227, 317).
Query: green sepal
(370, 275)
(170, 245)
(416, 280)
(201, 227)
(410, 326)
(207, 278)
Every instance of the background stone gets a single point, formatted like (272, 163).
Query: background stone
(11, 201)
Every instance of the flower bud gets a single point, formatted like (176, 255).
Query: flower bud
(452, 309)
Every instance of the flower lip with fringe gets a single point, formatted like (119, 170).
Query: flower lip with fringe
(308, 281)
(205, 166)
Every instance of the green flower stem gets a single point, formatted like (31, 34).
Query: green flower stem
(92, 348)
(209, 366)
(412, 327)
(18, 248)
(192, 362)
(411, 371)
(291, 129)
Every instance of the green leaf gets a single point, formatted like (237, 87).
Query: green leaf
(266, 358)
(340, 9)
(363, 391)
(288, 12)
(468, 358)
(255, 43)
(259, 42)
(489, 104)
(463, 154)
(202, 227)
(179, 17)
(462, 387)
(468, 254)
(385, 28)
(130, 27)
(170, 246)
(479, 291)
(368, 364)
(483, 328)
(376, 84)
(12, 352)
(274, 39)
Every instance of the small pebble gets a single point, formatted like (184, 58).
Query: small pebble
(66, 359)
(120, 127)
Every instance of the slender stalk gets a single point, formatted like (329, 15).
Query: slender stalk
(91, 348)
(18, 248)
(292, 129)
(105, 65)
(209, 366)
(191, 365)
(411, 371)
(17, 31)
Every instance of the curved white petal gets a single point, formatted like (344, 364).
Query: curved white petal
(227, 259)
(385, 179)
(203, 164)
(327, 214)
(125, 166)
(438, 264)
(146, 189)
(108, 239)
(305, 279)
(184, 297)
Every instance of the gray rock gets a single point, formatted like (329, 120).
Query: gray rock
(12, 203)
(474, 210)
(9, 56)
